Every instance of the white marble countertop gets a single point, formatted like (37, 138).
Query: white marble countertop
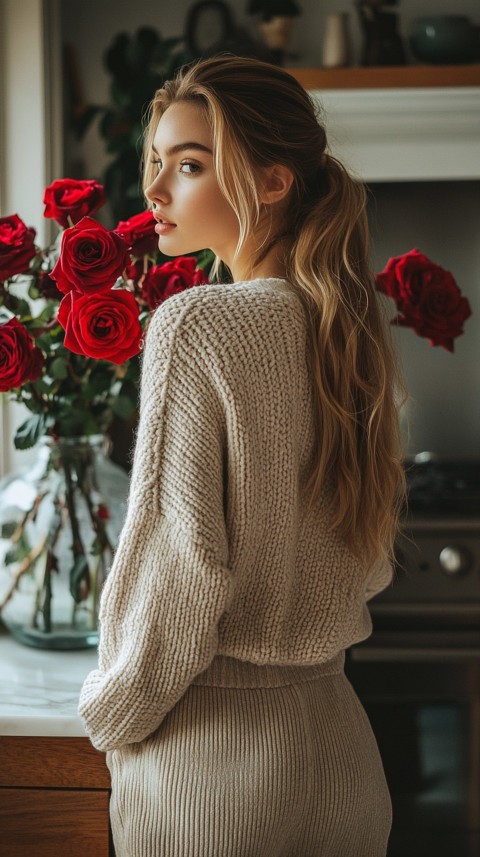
(39, 689)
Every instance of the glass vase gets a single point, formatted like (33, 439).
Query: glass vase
(59, 525)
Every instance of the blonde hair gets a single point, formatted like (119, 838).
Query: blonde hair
(260, 116)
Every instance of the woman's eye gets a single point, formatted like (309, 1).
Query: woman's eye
(158, 163)
(188, 168)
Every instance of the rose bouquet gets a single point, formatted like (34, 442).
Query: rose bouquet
(72, 316)
(72, 320)
(427, 298)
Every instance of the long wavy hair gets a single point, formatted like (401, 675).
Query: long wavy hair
(260, 116)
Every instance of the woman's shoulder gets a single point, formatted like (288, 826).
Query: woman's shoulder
(227, 323)
(221, 301)
(234, 331)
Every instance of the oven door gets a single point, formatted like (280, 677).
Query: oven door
(421, 690)
(425, 713)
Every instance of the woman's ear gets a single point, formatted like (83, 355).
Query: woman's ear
(276, 182)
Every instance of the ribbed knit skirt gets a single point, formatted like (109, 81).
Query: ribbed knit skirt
(255, 761)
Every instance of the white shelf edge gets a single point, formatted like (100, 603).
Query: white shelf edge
(406, 134)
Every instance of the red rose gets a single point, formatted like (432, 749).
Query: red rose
(20, 359)
(91, 258)
(427, 297)
(17, 246)
(68, 200)
(139, 233)
(102, 513)
(163, 281)
(135, 271)
(105, 326)
(48, 287)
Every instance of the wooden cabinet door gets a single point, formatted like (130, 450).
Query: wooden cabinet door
(49, 822)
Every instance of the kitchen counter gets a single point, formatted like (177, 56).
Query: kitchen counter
(54, 786)
(39, 689)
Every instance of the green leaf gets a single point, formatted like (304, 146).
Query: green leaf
(118, 143)
(101, 379)
(31, 404)
(59, 369)
(123, 407)
(78, 573)
(12, 556)
(107, 123)
(130, 387)
(33, 292)
(119, 97)
(96, 547)
(30, 431)
(58, 337)
(7, 529)
(44, 385)
(76, 422)
(138, 52)
(45, 316)
(205, 259)
(136, 136)
(36, 264)
(23, 309)
(132, 190)
(115, 58)
(172, 42)
(47, 341)
(19, 551)
(82, 123)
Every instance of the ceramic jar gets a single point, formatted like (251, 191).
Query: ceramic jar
(336, 42)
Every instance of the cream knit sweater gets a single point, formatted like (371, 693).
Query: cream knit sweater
(218, 554)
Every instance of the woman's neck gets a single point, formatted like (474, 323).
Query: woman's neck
(272, 264)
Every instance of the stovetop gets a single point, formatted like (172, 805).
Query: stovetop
(443, 488)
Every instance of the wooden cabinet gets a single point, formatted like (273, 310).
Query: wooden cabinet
(388, 77)
(54, 795)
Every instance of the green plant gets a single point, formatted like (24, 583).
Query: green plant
(138, 66)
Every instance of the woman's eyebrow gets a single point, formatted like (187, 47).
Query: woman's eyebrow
(182, 147)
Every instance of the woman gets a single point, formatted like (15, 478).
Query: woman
(265, 493)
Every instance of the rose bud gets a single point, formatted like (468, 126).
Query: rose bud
(68, 200)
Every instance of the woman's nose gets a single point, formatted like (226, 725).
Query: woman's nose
(156, 191)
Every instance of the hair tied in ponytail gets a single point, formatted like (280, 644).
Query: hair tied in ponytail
(260, 115)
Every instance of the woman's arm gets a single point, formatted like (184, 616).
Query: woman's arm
(170, 583)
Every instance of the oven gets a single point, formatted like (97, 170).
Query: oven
(418, 675)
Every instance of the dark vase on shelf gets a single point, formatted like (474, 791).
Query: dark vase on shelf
(444, 39)
(59, 524)
(382, 42)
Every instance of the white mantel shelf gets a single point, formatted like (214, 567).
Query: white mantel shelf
(421, 134)
(39, 689)
(401, 124)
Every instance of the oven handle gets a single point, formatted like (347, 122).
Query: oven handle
(415, 653)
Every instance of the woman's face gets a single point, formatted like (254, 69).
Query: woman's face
(191, 212)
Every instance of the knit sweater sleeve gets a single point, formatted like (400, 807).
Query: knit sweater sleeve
(169, 584)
